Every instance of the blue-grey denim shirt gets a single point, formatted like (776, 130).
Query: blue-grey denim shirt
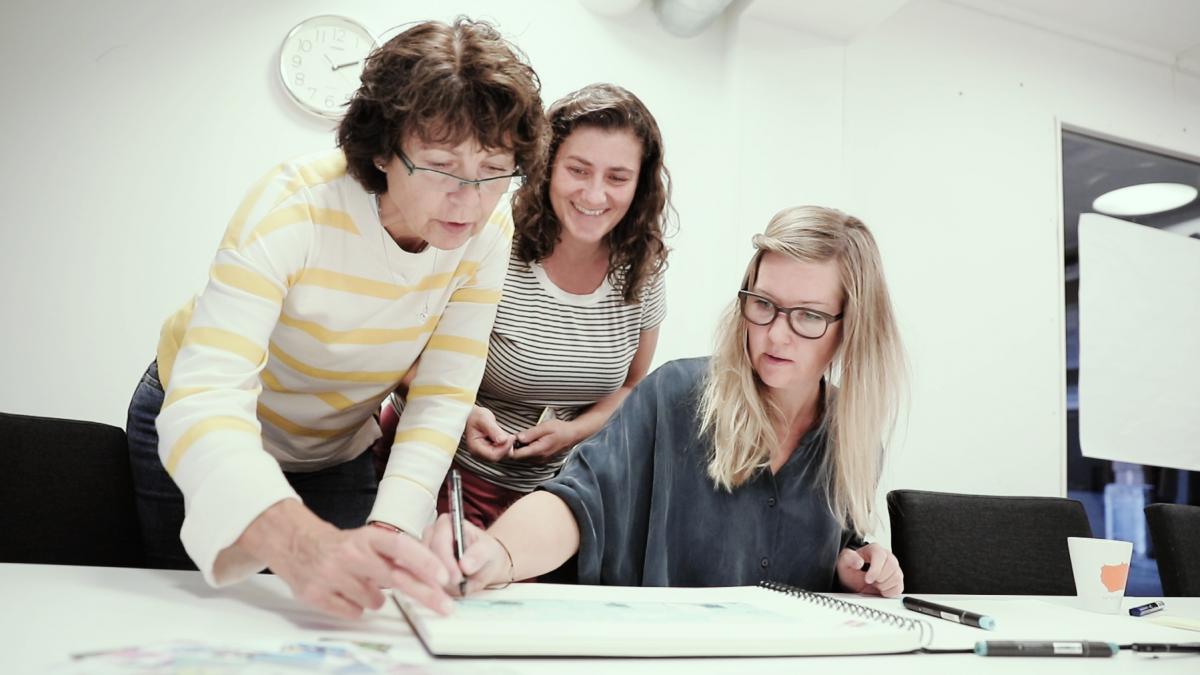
(649, 515)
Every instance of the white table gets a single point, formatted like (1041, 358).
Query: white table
(50, 612)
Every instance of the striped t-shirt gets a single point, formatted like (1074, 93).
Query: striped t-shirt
(311, 316)
(551, 348)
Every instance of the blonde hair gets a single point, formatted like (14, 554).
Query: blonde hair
(868, 366)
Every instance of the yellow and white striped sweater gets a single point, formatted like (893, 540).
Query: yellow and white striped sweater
(310, 317)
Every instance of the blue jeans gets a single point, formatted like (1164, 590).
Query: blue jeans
(342, 494)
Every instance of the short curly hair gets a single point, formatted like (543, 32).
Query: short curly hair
(637, 252)
(445, 83)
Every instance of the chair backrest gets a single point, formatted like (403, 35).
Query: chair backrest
(1175, 531)
(67, 495)
(980, 544)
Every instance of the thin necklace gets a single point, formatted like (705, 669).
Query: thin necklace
(387, 242)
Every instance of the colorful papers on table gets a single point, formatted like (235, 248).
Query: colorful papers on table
(337, 656)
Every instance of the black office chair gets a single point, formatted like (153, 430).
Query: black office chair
(67, 495)
(1175, 530)
(979, 544)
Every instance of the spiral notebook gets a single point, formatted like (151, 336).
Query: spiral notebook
(557, 620)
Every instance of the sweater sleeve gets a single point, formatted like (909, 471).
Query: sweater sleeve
(445, 384)
(209, 435)
(609, 480)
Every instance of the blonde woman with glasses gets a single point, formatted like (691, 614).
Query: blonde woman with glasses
(759, 463)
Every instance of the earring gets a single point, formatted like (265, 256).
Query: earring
(379, 165)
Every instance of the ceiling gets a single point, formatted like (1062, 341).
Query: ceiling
(1167, 31)
(1169, 27)
(834, 19)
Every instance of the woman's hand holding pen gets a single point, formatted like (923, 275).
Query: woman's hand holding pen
(485, 438)
(882, 575)
(341, 572)
(484, 563)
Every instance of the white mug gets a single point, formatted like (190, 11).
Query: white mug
(1101, 569)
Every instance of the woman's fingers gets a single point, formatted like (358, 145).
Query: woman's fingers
(878, 557)
(884, 576)
(433, 597)
(407, 553)
(336, 605)
(360, 592)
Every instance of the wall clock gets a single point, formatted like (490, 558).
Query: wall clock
(321, 60)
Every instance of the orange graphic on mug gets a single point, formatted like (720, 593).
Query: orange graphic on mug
(1113, 576)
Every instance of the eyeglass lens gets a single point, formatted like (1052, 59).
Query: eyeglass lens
(762, 312)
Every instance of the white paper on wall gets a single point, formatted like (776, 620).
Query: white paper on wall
(1139, 344)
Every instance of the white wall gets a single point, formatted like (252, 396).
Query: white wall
(132, 129)
(951, 146)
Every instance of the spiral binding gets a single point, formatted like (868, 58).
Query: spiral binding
(924, 630)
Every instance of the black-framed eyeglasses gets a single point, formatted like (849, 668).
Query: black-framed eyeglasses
(440, 181)
(804, 321)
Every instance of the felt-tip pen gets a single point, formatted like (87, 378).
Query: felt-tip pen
(1047, 648)
(1148, 608)
(456, 522)
(948, 613)
(1161, 647)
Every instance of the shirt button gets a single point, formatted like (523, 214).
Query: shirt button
(765, 563)
(771, 502)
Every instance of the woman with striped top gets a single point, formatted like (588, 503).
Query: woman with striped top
(337, 274)
(583, 299)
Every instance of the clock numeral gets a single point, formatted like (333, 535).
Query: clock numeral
(319, 63)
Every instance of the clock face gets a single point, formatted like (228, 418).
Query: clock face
(321, 60)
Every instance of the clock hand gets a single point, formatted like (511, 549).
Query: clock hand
(330, 62)
(343, 65)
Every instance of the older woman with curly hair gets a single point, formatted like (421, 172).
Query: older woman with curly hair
(583, 299)
(336, 275)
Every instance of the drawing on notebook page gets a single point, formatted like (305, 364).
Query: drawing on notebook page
(564, 620)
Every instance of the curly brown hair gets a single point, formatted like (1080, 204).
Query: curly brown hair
(446, 84)
(636, 249)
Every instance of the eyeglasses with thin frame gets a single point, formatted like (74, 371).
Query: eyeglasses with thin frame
(440, 181)
(804, 321)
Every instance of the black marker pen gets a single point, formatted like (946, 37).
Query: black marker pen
(1047, 648)
(948, 613)
(1162, 647)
